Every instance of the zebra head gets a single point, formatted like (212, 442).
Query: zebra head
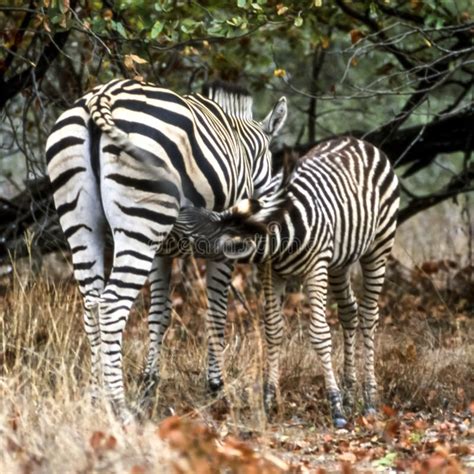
(215, 234)
(237, 232)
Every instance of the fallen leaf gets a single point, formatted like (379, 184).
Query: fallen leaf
(348, 457)
(137, 469)
(388, 411)
(96, 440)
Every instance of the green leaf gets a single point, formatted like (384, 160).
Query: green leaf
(217, 29)
(416, 437)
(55, 19)
(156, 30)
(386, 461)
(374, 10)
(242, 3)
(189, 25)
(118, 27)
(163, 6)
(298, 21)
(235, 21)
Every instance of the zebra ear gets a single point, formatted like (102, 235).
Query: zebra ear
(290, 163)
(237, 248)
(273, 122)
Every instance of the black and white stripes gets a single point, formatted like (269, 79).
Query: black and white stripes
(126, 157)
(339, 207)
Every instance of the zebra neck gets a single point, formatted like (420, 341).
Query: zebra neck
(257, 164)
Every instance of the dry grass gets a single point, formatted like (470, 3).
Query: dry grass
(47, 424)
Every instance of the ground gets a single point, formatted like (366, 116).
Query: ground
(425, 362)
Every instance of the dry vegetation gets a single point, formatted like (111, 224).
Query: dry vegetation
(425, 368)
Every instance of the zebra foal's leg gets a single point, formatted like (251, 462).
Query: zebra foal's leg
(218, 277)
(340, 284)
(320, 335)
(373, 272)
(159, 318)
(273, 287)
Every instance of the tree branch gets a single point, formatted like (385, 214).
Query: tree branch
(419, 144)
(398, 13)
(21, 80)
(18, 82)
(399, 54)
(19, 36)
(461, 183)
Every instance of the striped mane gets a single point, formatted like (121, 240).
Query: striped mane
(235, 100)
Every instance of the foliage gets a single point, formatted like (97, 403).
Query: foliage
(382, 65)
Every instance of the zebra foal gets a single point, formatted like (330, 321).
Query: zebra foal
(127, 156)
(338, 206)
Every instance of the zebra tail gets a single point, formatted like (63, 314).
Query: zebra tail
(100, 109)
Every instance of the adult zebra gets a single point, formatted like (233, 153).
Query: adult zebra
(339, 207)
(127, 156)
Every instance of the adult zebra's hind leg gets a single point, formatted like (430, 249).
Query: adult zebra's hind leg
(340, 284)
(273, 287)
(129, 273)
(133, 258)
(218, 276)
(159, 318)
(320, 335)
(71, 155)
(87, 246)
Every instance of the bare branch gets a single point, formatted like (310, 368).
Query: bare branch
(459, 184)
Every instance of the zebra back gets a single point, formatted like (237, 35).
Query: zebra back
(342, 195)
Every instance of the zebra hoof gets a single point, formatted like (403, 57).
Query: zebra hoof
(215, 386)
(269, 397)
(335, 401)
(348, 403)
(339, 422)
(147, 389)
(148, 385)
(125, 416)
(94, 399)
